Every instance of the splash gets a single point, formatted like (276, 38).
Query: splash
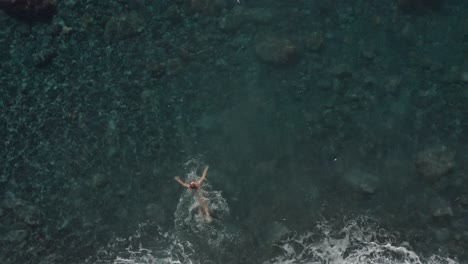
(360, 241)
(186, 213)
(193, 240)
(191, 226)
(149, 245)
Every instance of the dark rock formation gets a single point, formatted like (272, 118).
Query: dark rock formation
(30, 10)
(417, 6)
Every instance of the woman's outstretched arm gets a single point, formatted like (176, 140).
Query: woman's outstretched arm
(181, 182)
(205, 171)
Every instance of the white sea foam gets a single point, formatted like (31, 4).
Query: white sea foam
(149, 245)
(194, 240)
(360, 241)
(188, 243)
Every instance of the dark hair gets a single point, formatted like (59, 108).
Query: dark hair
(193, 186)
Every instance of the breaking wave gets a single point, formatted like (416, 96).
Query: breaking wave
(193, 240)
(149, 245)
(360, 241)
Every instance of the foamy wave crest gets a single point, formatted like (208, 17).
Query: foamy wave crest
(149, 245)
(360, 241)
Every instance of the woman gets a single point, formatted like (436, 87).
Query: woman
(195, 188)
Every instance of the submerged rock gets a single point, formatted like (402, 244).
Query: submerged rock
(44, 57)
(15, 236)
(342, 71)
(99, 181)
(440, 208)
(463, 200)
(362, 182)
(29, 214)
(435, 162)
(417, 6)
(442, 212)
(30, 10)
(314, 41)
(277, 51)
(239, 16)
(10, 200)
(123, 26)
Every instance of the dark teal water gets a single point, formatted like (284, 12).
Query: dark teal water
(335, 132)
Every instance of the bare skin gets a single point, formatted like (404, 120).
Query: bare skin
(195, 187)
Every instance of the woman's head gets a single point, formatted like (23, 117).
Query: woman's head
(193, 186)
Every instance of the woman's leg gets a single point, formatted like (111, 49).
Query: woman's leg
(200, 213)
(203, 204)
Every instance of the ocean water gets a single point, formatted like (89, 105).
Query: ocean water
(335, 131)
(353, 241)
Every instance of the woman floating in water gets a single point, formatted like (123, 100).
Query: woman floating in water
(195, 188)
